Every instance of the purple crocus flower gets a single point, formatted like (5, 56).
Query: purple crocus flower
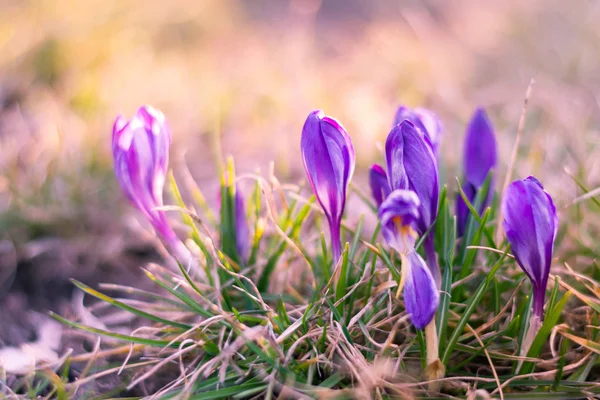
(380, 188)
(426, 122)
(530, 222)
(399, 216)
(479, 158)
(329, 159)
(141, 155)
(411, 165)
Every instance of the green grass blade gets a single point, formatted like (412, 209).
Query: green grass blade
(542, 336)
(119, 336)
(471, 306)
(127, 307)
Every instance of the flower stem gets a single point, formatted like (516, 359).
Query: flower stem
(538, 302)
(336, 243)
(535, 323)
(185, 257)
(435, 369)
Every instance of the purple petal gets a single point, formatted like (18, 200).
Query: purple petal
(480, 153)
(394, 157)
(242, 230)
(379, 184)
(399, 214)
(421, 295)
(426, 122)
(411, 165)
(328, 156)
(433, 127)
(531, 223)
(118, 141)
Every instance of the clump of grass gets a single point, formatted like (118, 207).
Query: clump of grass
(279, 325)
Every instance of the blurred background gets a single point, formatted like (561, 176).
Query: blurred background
(239, 77)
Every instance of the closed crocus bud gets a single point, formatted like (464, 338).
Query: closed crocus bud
(421, 296)
(141, 155)
(242, 229)
(329, 159)
(399, 216)
(378, 183)
(479, 158)
(412, 166)
(530, 223)
(426, 122)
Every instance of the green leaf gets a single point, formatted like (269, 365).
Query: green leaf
(229, 392)
(341, 287)
(422, 348)
(259, 225)
(263, 280)
(388, 262)
(524, 311)
(180, 295)
(227, 227)
(542, 336)
(356, 239)
(127, 307)
(338, 318)
(471, 306)
(119, 336)
(189, 221)
(282, 317)
(444, 307)
(469, 254)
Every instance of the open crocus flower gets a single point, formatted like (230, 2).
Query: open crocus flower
(141, 155)
(399, 215)
(380, 188)
(479, 158)
(530, 222)
(426, 122)
(329, 159)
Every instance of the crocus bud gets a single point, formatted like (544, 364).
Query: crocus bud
(379, 183)
(242, 230)
(426, 122)
(412, 166)
(399, 216)
(141, 155)
(328, 156)
(530, 223)
(421, 296)
(479, 158)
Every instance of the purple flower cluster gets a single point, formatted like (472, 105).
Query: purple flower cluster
(406, 193)
(412, 173)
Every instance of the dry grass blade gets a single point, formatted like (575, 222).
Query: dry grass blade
(513, 156)
(163, 362)
(489, 361)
